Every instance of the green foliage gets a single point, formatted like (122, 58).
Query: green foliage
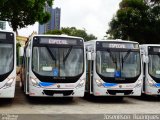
(136, 20)
(21, 13)
(73, 32)
(155, 1)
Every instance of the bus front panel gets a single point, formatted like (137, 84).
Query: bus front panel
(117, 69)
(152, 76)
(57, 67)
(7, 64)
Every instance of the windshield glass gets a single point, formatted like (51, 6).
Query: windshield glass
(6, 58)
(154, 65)
(118, 64)
(58, 62)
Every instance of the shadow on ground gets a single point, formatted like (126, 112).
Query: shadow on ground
(6, 102)
(106, 99)
(50, 100)
(22, 99)
(147, 98)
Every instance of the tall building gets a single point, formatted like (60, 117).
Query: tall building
(53, 23)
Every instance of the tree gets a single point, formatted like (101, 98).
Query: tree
(155, 1)
(21, 13)
(136, 20)
(72, 31)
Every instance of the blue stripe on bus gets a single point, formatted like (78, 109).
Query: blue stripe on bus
(45, 84)
(157, 84)
(109, 84)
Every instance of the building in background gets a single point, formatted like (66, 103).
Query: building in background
(2, 25)
(53, 23)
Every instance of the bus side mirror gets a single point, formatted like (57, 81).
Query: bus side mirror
(28, 52)
(89, 56)
(145, 59)
(21, 51)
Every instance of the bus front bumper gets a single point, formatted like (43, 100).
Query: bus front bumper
(52, 92)
(117, 92)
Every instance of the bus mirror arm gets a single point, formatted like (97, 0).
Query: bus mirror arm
(21, 51)
(28, 53)
(145, 59)
(89, 55)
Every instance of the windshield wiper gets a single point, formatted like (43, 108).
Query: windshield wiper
(112, 57)
(158, 55)
(69, 51)
(125, 57)
(50, 52)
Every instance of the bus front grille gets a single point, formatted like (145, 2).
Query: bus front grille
(114, 92)
(52, 92)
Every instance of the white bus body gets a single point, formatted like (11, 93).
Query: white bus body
(151, 66)
(7, 64)
(54, 66)
(107, 75)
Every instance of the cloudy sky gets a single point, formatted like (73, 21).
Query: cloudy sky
(91, 15)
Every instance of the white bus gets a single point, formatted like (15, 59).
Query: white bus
(7, 64)
(54, 66)
(151, 66)
(113, 68)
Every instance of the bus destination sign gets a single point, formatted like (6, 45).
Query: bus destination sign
(120, 45)
(58, 41)
(2, 35)
(53, 41)
(154, 49)
(117, 45)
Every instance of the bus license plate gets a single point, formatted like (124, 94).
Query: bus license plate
(119, 93)
(58, 95)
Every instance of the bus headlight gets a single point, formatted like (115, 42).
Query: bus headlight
(139, 84)
(34, 82)
(8, 83)
(81, 84)
(99, 83)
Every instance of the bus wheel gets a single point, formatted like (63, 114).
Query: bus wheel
(87, 95)
(120, 98)
(8, 100)
(69, 98)
(158, 97)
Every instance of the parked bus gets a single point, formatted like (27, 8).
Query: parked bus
(7, 64)
(113, 68)
(54, 66)
(151, 66)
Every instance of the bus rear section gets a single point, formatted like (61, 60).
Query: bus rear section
(113, 68)
(7, 64)
(151, 66)
(54, 66)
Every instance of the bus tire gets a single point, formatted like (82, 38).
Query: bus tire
(120, 98)
(69, 98)
(9, 100)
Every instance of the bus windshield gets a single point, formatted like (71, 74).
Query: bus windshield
(154, 66)
(124, 64)
(6, 58)
(58, 61)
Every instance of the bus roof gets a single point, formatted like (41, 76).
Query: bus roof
(7, 31)
(65, 36)
(109, 40)
(150, 45)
